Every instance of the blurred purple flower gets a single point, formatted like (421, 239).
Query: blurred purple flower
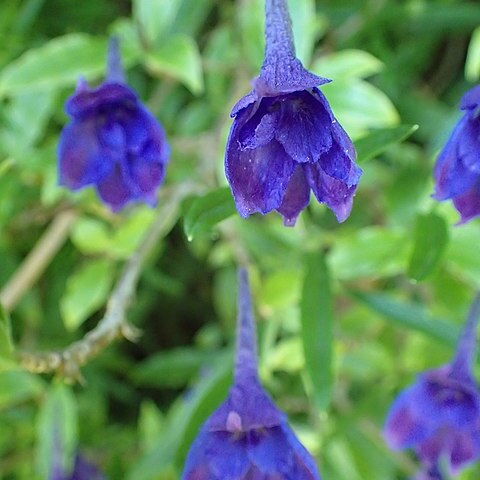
(82, 470)
(112, 141)
(457, 171)
(439, 415)
(285, 139)
(247, 437)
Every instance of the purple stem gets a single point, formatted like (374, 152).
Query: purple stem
(467, 341)
(278, 31)
(246, 360)
(115, 73)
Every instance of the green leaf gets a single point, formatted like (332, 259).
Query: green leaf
(6, 344)
(57, 63)
(18, 387)
(410, 316)
(317, 328)
(359, 106)
(347, 64)
(472, 64)
(377, 141)
(154, 17)
(57, 431)
(86, 291)
(90, 236)
(178, 57)
(206, 211)
(172, 369)
(430, 243)
(370, 252)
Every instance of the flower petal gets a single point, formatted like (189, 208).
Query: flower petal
(87, 101)
(114, 190)
(452, 177)
(81, 157)
(258, 177)
(304, 127)
(468, 203)
(336, 194)
(296, 197)
(402, 428)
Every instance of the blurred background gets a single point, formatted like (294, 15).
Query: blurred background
(347, 314)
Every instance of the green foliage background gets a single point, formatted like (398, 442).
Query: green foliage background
(347, 314)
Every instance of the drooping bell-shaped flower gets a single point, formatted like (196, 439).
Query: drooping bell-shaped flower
(439, 415)
(247, 437)
(112, 141)
(285, 140)
(457, 170)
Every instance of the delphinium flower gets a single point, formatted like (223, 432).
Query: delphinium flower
(112, 141)
(457, 171)
(247, 437)
(285, 139)
(439, 415)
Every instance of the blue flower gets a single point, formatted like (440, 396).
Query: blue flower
(457, 170)
(112, 141)
(439, 415)
(247, 437)
(285, 140)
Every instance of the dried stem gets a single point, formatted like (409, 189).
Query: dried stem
(37, 260)
(67, 362)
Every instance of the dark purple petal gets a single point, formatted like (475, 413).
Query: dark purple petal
(106, 95)
(336, 194)
(84, 470)
(469, 146)
(452, 177)
(259, 129)
(258, 177)
(114, 190)
(80, 155)
(243, 103)
(303, 127)
(296, 197)
(448, 401)
(403, 428)
(468, 203)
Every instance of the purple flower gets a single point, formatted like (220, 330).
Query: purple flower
(82, 470)
(457, 171)
(112, 141)
(439, 415)
(247, 437)
(285, 139)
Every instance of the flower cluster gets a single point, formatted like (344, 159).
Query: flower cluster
(112, 141)
(439, 415)
(247, 437)
(285, 140)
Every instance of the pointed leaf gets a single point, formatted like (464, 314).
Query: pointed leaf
(410, 316)
(206, 211)
(430, 243)
(377, 141)
(317, 320)
(6, 344)
(178, 57)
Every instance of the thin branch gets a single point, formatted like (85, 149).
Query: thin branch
(37, 260)
(113, 325)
